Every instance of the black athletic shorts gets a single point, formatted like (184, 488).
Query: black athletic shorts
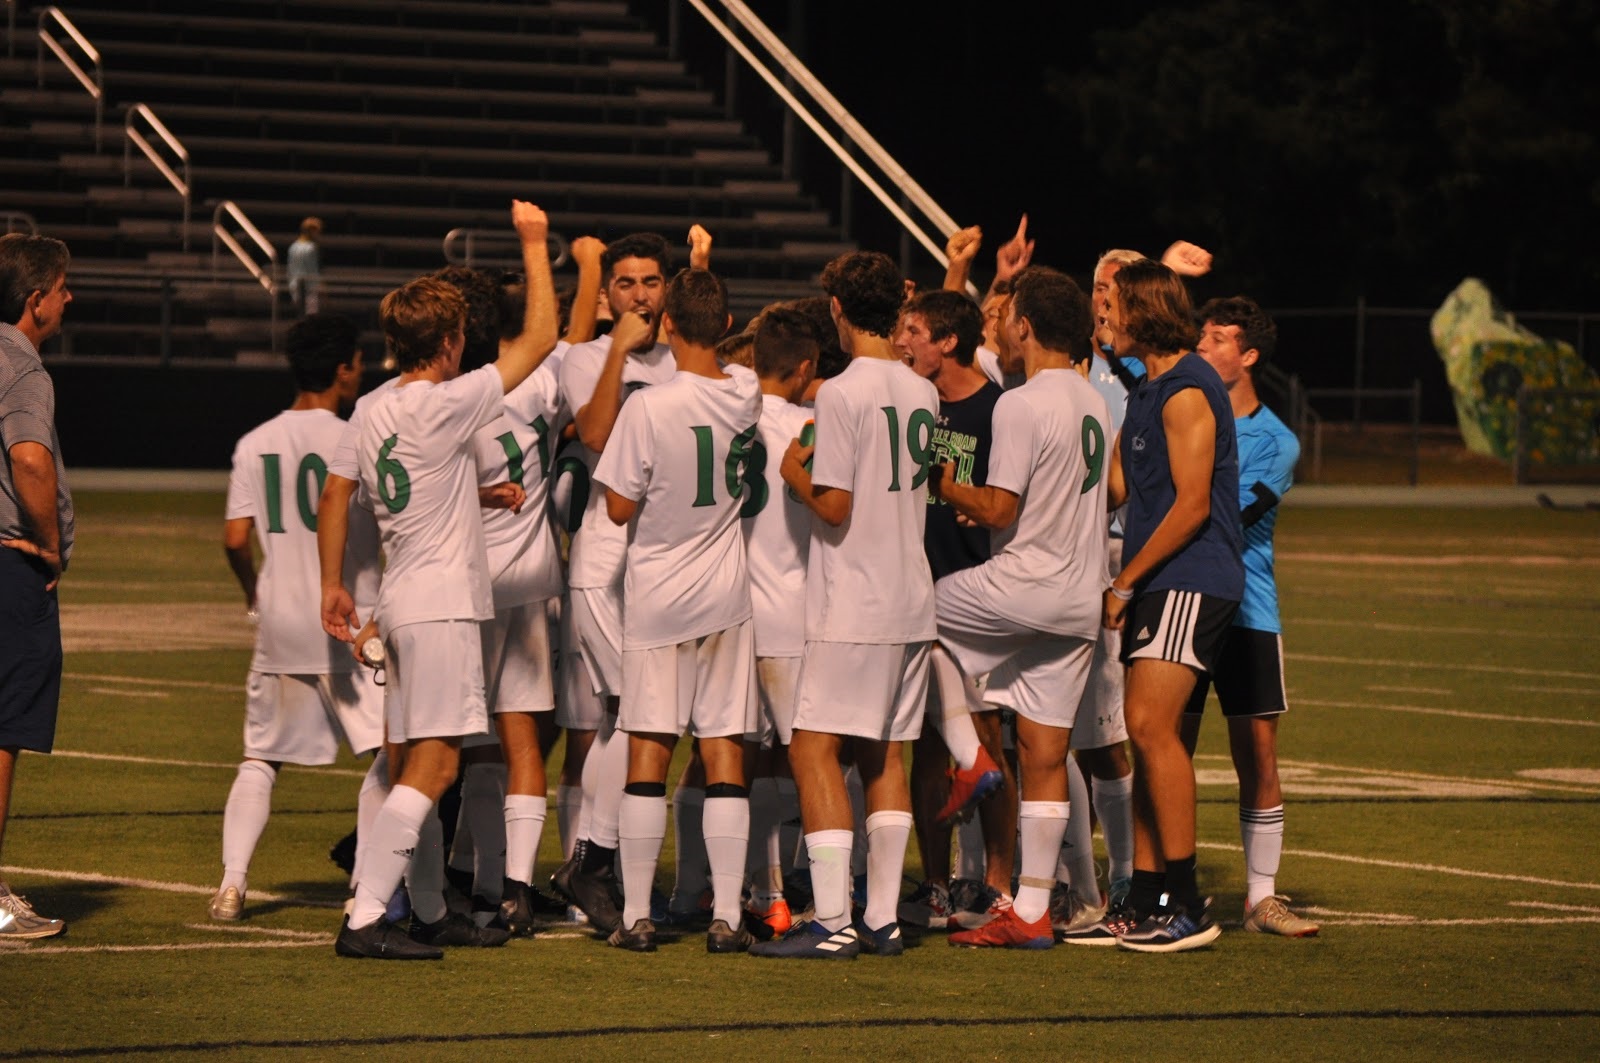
(1249, 676)
(30, 653)
(1184, 627)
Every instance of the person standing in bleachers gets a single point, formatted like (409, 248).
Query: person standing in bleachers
(305, 267)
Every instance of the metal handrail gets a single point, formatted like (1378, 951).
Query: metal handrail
(268, 277)
(19, 221)
(95, 86)
(470, 238)
(183, 185)
(800, 75)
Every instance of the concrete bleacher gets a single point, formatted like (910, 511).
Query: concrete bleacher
(395, 121)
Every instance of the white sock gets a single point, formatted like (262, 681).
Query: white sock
(483, 801)
(425, 876)
(569, 802)
(791, 842)
(727, 837)
(955, 709)
(612, 777)
(1113, 803)
(1077, 845)
(692, 876)
(642, 827)
(858, 815)
(829, 852)
(590, 784)
(394, 838)
(1261, 829)
(763, 857)
(969, 850)
(1042, 823)
(524, 819)
(244, 818)
(374, 792)
(887, 834)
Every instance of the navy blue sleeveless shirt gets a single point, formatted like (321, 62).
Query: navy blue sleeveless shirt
(1211, 562)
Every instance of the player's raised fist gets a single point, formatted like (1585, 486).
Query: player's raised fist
(699, 247)
(587, 249)
(632, 332)
(529, 221)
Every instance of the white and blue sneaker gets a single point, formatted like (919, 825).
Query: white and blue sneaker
(812, 941)
(1172, 930)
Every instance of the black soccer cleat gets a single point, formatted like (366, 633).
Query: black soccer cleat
(640, 937)
(457, 931)
(382, 940)
(721, 938)
(597, 894)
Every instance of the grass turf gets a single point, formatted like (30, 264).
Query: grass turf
(1441, 763)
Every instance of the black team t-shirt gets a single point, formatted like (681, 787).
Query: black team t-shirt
(961, 434)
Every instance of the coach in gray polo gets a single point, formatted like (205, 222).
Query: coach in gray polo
(35, 527)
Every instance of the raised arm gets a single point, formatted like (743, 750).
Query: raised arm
(586, 252)
(538, 338)
(961, 249)
(1013, 256)
(699, 247)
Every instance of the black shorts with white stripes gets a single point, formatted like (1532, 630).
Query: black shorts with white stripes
(1184, 627)
(1248, 675)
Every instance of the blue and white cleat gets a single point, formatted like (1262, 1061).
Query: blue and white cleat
(812, 941)
(1172, 930)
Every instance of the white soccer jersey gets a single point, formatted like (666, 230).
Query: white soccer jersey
(416, 466)
(598, 548)
(868, 580)
(278, 471)
(344, 460)
(777, 534)
(680, 449)
(524, 565)
(1051, 448)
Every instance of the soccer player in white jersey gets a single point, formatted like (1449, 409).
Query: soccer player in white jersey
(1033, 608)
(416, 464)
(305, 693)
(674, 470)
(596, 379)
(777, 534)
(869, 610)
(513, 454)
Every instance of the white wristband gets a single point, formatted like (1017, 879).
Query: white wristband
(1126, 596)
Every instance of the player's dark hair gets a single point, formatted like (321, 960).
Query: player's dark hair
(511, 302)
(482, 328)
(869, 289)
(784, 338)
(1156, 310)
(417, 318)
(1256, 328)
(1056, 308)
(697, 302)
(637, 245)
(317, 346)
(831, 359)
(28, 264)
(948, 313)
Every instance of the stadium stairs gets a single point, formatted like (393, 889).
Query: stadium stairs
(395, 121)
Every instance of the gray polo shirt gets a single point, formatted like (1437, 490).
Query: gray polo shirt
(28, 415)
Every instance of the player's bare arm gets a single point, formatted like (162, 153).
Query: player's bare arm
(241, 559)
(1013, 256)
(333, 529)
(505, 495)
(699, 247)
(586, 252)
(522, 355)
(832, 504)
(630, 333)
(620, 508)
(33, 470)
(1191, 449)
(1116, 483)
(987, 507)
(961, 249)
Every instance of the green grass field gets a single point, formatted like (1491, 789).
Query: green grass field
(1441, 763)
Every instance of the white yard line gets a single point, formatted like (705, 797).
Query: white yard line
(1406, 865)
(1493, 669)
(1432, 629)
(323, 941)
(128, 758)
(1519, 782)
(235, 928)
(1555, 907)
(1580, 691)
(157, 884)
(116, 692)
(1413, 690)
(195, 684)
(1428, 710)
(1436, 560)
